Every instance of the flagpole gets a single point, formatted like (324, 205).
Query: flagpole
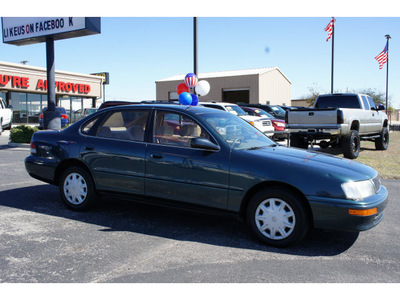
(387, 71)
(333, 43)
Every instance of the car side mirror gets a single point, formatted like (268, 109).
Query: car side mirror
(202, 143)
(380, 107)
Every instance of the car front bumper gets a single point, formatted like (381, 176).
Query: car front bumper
(338, 213)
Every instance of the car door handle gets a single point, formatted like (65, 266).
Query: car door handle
(89, 147)
(156, 156)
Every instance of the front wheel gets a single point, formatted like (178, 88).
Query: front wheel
(277, 217)
(77, 189)
(382, 143)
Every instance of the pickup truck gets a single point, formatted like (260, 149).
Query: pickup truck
(5, 116)
(339, 120)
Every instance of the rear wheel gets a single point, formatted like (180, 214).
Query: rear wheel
(77, 189)
(382, 143)
(351, 145)
(277, 217)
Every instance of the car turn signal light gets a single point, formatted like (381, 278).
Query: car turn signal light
(363, 212)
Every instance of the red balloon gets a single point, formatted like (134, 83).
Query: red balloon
(182, 88)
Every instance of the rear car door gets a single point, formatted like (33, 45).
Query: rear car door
(178, 172)
(114, 149)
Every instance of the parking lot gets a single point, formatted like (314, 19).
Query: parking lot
(42, 241)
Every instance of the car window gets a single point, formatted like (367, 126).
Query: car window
(365, 101)
(176, 129)
(124, 125)
(371, 103)
(88, 126)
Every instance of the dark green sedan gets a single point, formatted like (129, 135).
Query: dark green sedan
(204, 158)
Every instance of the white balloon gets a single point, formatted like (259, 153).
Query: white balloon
(202, 88)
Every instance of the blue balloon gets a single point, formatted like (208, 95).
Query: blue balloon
(185, 98)
(195, 100)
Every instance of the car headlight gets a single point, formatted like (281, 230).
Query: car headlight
(358, 190)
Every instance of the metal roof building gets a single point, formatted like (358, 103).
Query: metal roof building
(263, 85)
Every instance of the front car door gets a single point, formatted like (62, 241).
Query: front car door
(178, 172)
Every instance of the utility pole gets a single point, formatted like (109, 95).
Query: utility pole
(195, 45)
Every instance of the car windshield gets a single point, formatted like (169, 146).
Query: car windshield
(262, 113)
(237, 133)
(279, 111)
(236, 110)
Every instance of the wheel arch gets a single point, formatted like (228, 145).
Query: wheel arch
(275, 184)
(355, 125)
(66, 164)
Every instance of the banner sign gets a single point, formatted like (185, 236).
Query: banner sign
(31, 30)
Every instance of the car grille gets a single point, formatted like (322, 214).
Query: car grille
(377, 183)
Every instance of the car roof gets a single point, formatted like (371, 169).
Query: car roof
(176, 107)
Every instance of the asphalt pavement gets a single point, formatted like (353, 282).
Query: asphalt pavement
(126, 242)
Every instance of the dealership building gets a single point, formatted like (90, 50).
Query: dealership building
(263, 85)
(25, 89)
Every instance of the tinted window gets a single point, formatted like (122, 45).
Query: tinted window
(124, 125)
(338, 101)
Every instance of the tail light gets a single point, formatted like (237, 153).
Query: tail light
(41, 116)
(340, 117)
(33, 148)
(65, 117)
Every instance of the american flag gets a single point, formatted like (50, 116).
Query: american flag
(190, 80)
(329, 28)
(382, 57)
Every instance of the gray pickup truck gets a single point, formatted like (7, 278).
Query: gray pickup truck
(339, 120)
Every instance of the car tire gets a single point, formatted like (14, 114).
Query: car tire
(382, 143)
(277, 217)
(351, 145)
(77, 189)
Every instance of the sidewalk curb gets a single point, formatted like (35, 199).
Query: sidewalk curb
(18, 145)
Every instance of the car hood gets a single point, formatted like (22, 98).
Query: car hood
(329, 164)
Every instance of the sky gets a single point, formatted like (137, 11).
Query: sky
(139, 46)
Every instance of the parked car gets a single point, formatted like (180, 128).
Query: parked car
(88, 111)
(275, 110)
(216, 161)
(5, 116)
(279, 125)
(63, 113)
(339, 120)
(262, 124)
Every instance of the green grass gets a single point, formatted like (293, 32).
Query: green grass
(387, 162)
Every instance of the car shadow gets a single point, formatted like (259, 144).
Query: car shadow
(117, 215)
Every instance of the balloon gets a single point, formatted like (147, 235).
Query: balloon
(202, 88)
(182, 88)
(185, 98)
(195, 100)
(190, 80)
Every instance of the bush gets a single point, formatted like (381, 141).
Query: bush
(22, 134)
